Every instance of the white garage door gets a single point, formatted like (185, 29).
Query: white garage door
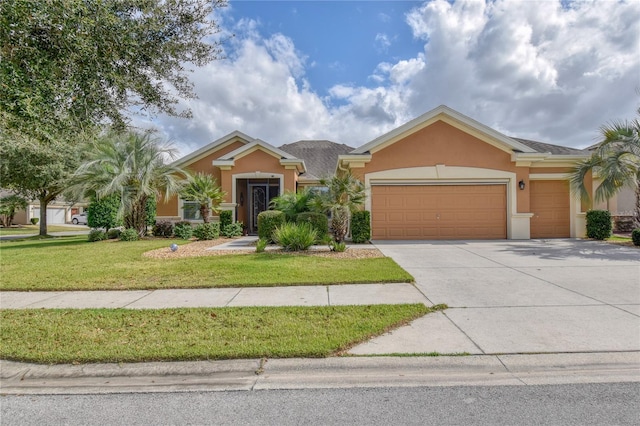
(54, 215)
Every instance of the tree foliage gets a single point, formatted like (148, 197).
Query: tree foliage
(203, 189)
(345, 195)
(8, 207)
(293, 203)
(103, 212)
(615, 163)
(36, 170)
(131, 165)
(66, 64)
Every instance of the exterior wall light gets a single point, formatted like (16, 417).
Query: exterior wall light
(521, 185)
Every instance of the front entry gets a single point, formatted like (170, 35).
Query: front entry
(261, 192)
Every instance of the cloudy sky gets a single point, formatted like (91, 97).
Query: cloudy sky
(546, 70)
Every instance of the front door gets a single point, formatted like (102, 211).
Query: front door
(260, 195)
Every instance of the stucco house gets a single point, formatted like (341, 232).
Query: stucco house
(442, 175)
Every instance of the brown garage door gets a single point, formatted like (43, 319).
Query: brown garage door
(550, 207)
(438, 212)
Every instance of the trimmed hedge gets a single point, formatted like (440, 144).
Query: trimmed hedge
(226, 218)
(207, 231)
(268, 221)
(232, 230)
(129, 234)
(361, 226)
(599, 224)
(635, 237)
(183, 230)
(318, 221)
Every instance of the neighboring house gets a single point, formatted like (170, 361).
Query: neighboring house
(440, 176)
(58, 211)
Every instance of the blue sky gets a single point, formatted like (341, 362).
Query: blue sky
(546, 70)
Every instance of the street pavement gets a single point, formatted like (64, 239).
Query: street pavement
(542, 311)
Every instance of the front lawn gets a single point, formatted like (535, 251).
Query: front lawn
(35, 229)
(56, 336)
(72, 263)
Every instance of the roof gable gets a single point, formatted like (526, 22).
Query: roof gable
(235, 136)
(452, 117)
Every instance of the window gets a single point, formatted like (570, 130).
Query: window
(190, 210)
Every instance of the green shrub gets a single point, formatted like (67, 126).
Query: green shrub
(635, 237)
(361, 226)
(183, 230)
(295, 236)
(207, 231)
(34, 220)
(337, 247)
(103, 212)
(226, 218)
(261, 245)
(233, 230)
(163, 229)
(114, 234)
(151, 210)
(268, 221)
(129, 234)
(599, 224)
(318, 221)
(97, 235)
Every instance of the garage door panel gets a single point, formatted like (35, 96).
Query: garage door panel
(550, 205)
(439, 212)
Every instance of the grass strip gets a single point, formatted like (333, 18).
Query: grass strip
(57, 336)
(72, 263)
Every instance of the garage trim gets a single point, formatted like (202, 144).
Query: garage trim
(518, 224)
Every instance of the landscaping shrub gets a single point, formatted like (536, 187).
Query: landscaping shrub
(114, 234)
(226, 218)
(337, 247)
(635, 237)
(599, 224)
(207, 231)
(361, 226)
(268, 221)
(163, 229)
(97, 235)
(151, 210)
(232, 230)
(261, 245)
(103, 212)
(129, 234)
(318, 221)
(34, 220)
(183, 230)
(295, 236)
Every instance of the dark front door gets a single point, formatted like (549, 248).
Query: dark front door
(260, 195)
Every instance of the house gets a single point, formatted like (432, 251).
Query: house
(442, 175)
(59, 211)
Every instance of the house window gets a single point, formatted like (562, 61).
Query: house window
(190, 210)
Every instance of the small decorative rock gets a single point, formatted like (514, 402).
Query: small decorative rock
(173, 247)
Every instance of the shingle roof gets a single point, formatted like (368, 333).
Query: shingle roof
(553, 149)
(320, 156)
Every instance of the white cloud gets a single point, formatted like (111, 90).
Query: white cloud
(530, 69)
(382, 43)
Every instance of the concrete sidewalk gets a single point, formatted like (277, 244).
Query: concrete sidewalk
(334, 295)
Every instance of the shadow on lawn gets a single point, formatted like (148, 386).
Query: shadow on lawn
(42, 242)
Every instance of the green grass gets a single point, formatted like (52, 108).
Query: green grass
(35, 229)
(56, 336)
(71, 263)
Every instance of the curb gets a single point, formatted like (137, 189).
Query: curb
(343, 372)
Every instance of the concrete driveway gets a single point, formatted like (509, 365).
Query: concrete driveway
(518, 297)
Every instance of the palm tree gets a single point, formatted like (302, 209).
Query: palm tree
(616, 163)
(292, 203)
(131, 165)
(344, 195)
(204, 190)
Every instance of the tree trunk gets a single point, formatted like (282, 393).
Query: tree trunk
(636, 213)
(204, 212)
(44, 201)
(137, 217)
(340, 223)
